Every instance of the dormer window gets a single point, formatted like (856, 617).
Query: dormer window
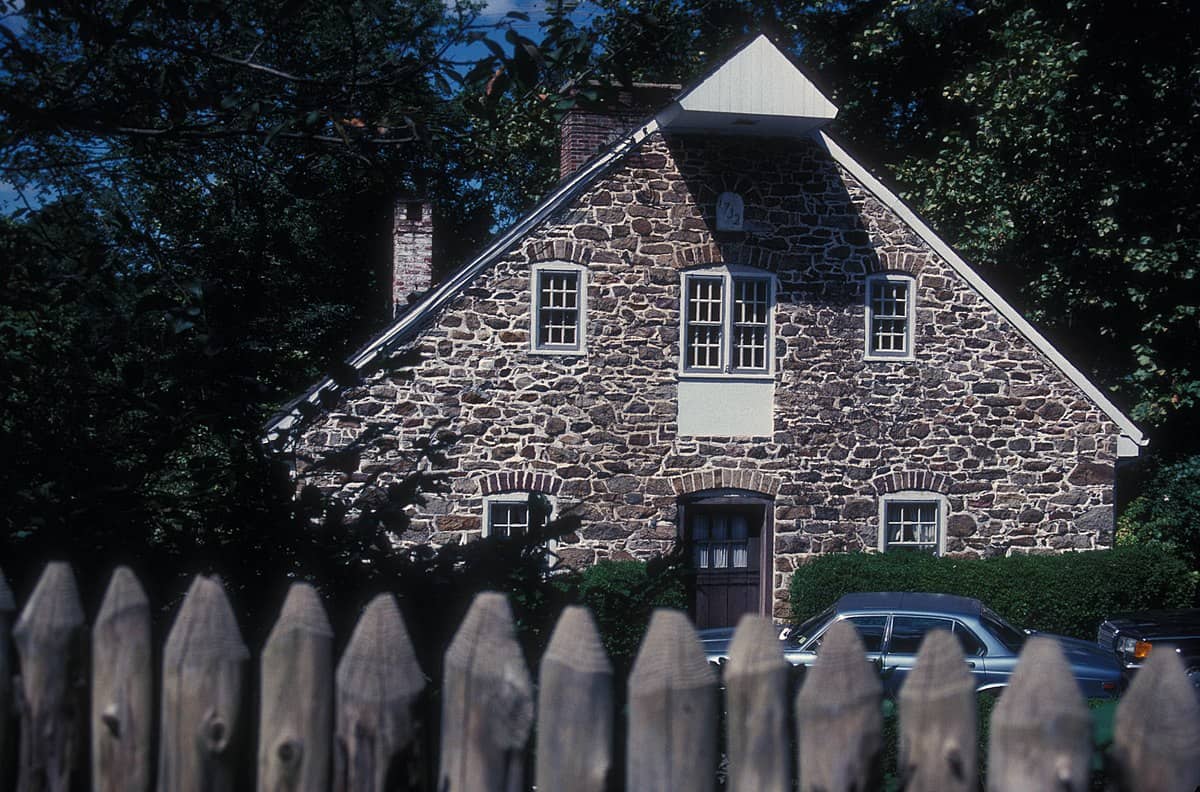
(890, 302)
(727, 322)
(559, 308)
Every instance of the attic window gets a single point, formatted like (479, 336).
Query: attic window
(890, 300)
(559, 308)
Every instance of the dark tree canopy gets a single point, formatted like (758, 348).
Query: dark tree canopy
(216, 179)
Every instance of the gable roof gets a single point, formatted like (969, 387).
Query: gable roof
(712, 97)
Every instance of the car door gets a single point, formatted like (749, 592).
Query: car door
(905, 642)
(871, 629)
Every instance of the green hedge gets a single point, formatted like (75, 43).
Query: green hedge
(622, 594)
(1065, 593)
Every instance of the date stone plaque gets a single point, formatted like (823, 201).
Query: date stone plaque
(729, 212)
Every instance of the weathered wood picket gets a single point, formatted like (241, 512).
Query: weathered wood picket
(358, 728)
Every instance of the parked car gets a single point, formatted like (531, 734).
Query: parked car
(1131, 637)
(892, 624)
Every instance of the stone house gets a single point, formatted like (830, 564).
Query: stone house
(720, 329)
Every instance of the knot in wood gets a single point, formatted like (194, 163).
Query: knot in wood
(216, 734)
(290, 752)
(110, 720)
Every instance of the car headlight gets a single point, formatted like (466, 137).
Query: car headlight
(1134, 650)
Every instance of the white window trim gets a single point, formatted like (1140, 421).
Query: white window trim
(515, 496)
(914, 496)
(910, 336)
(726, 372)
(578, 349)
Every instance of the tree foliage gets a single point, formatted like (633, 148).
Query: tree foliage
(216, 179)
(1167, 512)
(216, 175)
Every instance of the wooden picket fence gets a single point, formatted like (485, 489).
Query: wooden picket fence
(357, 727)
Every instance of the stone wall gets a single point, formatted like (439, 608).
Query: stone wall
(980, 416)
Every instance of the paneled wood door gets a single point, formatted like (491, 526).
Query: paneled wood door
(725, 542)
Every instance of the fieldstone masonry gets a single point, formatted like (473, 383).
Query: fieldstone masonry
(980, 416)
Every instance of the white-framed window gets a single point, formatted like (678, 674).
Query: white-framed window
(510, 514)
(913, 521)
(559, 310)
(727, 319)
(891, 301)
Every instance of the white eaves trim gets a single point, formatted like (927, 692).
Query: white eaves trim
(1132, 438)
(447, 290)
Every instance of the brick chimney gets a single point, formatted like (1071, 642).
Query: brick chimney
(592, 124)
(412, 251)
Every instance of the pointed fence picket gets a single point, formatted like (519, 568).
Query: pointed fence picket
(8, 605)
(122, 688)
(50, 641)
(295, 725)
(360, 727)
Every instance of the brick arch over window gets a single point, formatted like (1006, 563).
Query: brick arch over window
(735, 253)
(520, 481)
(701, 480)
(905, 480)
(558, 250)
(901, 262)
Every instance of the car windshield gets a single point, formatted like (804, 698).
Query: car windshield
(1008, 635)
(798, 635)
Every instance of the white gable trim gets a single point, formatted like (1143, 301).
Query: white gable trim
(433, 301)
(1132, 439)
(758, 80)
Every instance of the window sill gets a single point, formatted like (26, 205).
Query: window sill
(549, 352)
(719, 376)
(889, 358)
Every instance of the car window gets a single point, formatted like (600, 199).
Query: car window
(1012, 638)
(971, 645)
(907, 632)
(870, 630)
(798, 635)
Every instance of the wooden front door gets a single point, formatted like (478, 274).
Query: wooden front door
(726, 549)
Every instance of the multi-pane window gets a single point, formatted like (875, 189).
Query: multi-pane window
(508, 518)
(889, 316)
(705, 322)
(751, 305)
(721, 541)
(911, 524)
(558, 308)
(727, 323)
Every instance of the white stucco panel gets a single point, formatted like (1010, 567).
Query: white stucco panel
(726, 408)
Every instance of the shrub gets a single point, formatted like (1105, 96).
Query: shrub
(1067, 593)
(1167, 512)
(622, 594)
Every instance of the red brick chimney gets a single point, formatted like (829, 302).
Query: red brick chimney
(592, 124)
(412, 251)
